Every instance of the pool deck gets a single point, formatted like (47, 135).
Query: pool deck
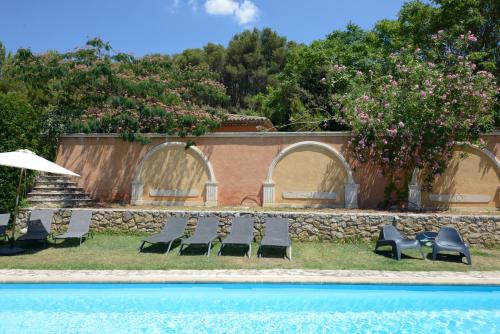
(250, 276)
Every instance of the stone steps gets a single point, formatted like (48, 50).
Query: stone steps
(57, 191)
(57, 203)
(52, 189)
(44, 183)
(57, 195)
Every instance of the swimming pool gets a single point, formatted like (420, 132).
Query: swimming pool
(247, 308)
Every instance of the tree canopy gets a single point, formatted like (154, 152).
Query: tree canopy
(94, 89)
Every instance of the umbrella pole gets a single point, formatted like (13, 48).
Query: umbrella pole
(16, 209)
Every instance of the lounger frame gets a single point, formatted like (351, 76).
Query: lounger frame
(4, 223)
(173, 230)
(204, 234)
(276, 235)
(241, 234)
(39, 219)
(79, 226)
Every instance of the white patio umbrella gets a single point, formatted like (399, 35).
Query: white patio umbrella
(25, 159)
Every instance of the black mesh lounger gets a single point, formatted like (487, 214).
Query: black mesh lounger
(448, 239)
(241, 234)
(390, 236)
(204, 234)
(4, 222)
(39, 225)
(172, 230)
(79, 226)
(276, 235)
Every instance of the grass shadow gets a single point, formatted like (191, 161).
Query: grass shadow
(195, 250)
(161, 247)
(33, 246)
(389, 254)
(386, 253)
(234, 250)
(446, 257)
(68, 243)
(272, 252)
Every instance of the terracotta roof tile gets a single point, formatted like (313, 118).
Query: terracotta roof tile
(245, 118)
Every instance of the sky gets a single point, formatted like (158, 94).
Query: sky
(169, 26)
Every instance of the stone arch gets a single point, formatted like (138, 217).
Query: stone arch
(210, 184)
(350, 190)
(415, 200)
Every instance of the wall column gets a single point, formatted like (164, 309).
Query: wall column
(137, 189)
(414, 193)
(351, 195)
(268, 189)
(414, 197)
(211, 194)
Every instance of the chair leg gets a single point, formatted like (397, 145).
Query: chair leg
(467, 256)
(80, 241)
(209, 248)
(180, 249)
(249, 253)
(397, 252)
(141, 246)
(290, 253)
(169, 245)
(220, 250)
(434, 254)
(421, 253)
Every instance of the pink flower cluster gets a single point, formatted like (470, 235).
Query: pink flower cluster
(470, 37)
(392, 132)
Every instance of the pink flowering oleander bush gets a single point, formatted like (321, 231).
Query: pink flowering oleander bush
(411, 115)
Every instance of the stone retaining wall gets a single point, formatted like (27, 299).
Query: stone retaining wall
(478, 230)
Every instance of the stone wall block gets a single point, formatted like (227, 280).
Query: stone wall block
(478, 230)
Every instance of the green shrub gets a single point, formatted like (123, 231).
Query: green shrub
(19, 129)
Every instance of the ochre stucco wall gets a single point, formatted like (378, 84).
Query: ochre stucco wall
(469, 172)
(174, 168)
(310, 169)
(240, 162)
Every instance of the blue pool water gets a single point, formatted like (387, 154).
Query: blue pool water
(247, 308)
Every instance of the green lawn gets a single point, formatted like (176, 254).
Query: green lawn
(109, 251)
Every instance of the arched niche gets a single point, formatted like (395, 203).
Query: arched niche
(171, 174)
(310, 174)
(471, 180)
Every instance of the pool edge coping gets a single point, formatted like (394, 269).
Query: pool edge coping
(293, 276)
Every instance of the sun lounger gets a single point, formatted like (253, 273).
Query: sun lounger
(241, 234)
(390, 236)
(448, 239)
(173, 230)
(79, 226)
(276, 235)
(4, 222)
(204, 234)
(39, 225)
